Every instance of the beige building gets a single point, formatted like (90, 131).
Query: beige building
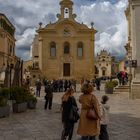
(7, 50)
(65, 48)
(133, 14)
(105, 64)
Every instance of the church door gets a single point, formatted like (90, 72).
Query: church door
(66, 69)
(103, 72)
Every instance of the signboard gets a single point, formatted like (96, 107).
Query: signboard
(131, 63)
(134, 63)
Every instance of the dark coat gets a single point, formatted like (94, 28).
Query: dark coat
(48, 91)
(66, 107)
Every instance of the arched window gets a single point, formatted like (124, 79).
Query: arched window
(53, 49)
(66, 48)
(80, 49)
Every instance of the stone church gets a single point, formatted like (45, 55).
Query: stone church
(65, 49)
(105, 65)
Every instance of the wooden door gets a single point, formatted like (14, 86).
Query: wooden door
(66, 69)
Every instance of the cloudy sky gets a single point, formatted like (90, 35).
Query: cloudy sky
(108, 17)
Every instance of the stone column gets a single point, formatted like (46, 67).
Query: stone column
(135, 43)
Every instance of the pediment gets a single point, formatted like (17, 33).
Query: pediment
(66, 26)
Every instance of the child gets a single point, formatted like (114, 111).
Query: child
(104, 118)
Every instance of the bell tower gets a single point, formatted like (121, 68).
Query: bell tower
(66, 9)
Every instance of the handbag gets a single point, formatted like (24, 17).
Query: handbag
(74, 114)
(91, 113)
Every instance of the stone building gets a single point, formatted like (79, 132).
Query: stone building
(66, 47)
(105, 65)
(133, 46)
(8, 61)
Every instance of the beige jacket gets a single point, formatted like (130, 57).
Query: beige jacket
(86, 126)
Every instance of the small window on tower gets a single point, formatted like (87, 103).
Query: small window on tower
(66, 13)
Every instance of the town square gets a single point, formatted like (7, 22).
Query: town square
(70, 70)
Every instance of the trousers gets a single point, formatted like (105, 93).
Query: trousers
(103, 133)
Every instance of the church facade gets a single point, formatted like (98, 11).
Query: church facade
(66, 47)
(105, 65)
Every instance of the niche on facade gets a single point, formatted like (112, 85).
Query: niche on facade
(66, 48)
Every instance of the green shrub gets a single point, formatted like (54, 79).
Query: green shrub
(19, 94)
(109, 84)
(4, 96)
(115, 82)
(31, 98)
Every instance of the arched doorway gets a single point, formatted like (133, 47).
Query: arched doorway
(104, 71)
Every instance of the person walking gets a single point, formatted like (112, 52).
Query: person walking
(38, 87)
(48, 96)
(88, 128)
(104, 118)
(68, 101)
(98, 83)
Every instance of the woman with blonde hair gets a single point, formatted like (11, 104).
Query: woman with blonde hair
(88, 128)
(68, 101)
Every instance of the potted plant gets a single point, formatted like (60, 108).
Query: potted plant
(109, 86)
(31, 101)
(19, 97)
(115, 83)
(4, 107)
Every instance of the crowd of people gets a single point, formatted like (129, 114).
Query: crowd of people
(88, 129)
(122, 77)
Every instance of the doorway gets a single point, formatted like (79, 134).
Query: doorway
(66, 69)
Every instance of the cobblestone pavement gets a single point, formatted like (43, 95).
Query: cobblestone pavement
(40, 124)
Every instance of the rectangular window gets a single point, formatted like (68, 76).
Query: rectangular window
(53, 52)
(80, 52)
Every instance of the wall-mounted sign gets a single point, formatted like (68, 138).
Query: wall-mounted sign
(131, 63)
(134, 63)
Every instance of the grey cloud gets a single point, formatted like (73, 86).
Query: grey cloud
(26, 15)
(50, 17)
(23, 48)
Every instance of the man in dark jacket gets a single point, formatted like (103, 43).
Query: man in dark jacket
(49, 95)
(38, 87)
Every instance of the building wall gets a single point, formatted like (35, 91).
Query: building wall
(7, 46)
(135, 43)
(80, 67)
(7, 40)
(66, 30)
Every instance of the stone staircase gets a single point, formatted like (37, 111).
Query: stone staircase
(121, 89)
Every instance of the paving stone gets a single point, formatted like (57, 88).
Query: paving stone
(40, 124)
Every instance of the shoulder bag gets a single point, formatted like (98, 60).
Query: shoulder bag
(91, 113)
